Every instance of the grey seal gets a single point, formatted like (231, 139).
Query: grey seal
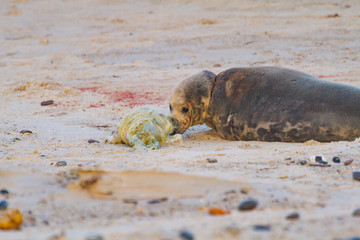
(268, 104)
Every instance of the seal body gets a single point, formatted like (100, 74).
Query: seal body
(144, 129)
(278, 104)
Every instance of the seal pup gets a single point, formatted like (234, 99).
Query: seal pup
(145, 129)
(268, 104)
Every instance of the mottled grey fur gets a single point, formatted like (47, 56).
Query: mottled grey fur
(278, 104)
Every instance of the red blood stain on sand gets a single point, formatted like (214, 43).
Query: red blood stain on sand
(333, 76)
(128, 98)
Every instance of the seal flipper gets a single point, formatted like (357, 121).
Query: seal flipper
(136, 143)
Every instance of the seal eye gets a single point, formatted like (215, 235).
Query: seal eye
(170, 107)
(184, 109)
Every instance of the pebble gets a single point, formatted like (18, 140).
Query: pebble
(293, 216)
(94, 237)
(3, 205)
(348, 162)
(303, 162)
(16, 139)
(218, 211)
(25, 132)
(155, 201)
(336, 159)
(318, 159)
(323, 162)
(186, 235)
(320, 165)
(356, 176)
(248, 205)
(234, 231)
(212, 160)
(61, 164)
(356, 213)
(93, 141)
(47, 103)
(4, 192)
(262, 228)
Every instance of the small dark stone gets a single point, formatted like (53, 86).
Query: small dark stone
(25, 132)
(356, 213)
(42, 155)
(47, 103)
(320, 165)
(356, 176)
(248, 205)
(132, 201)
(61, 164)
(212, 160)
(4, 192)
(323, 162)
(3, 205)
(354, 238)
(94, 237)
(348, 162)
(303, 162)
(293, 216)
(318, 158)
(16, 139)
(336, 159)
(186, 235)
(261, 228)
(154, 201)
(93, 141)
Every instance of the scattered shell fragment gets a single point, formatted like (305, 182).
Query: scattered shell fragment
(336, 159)
(218, 211)
(303, 162)
(4, 192)
(61, 164)
(356, 176)
(234, 231)
(10, 219)
(261, 228)
(47, 103)
(94, 237)
(348, 162)
(186, 235)
(248, 205)
(320, 165)
(356, 212)
(212, 160)
(293, 216)
(335, 15)
(155, 201)
(25, 132)
(3, 205)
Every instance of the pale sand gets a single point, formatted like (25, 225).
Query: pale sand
(98, 59)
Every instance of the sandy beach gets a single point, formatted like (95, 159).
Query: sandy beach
(97, 60)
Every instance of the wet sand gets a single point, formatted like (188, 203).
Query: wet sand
(98, 60)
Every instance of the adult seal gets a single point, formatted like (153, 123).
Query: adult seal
(268, 104)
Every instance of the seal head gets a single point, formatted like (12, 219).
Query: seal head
(190, 100)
